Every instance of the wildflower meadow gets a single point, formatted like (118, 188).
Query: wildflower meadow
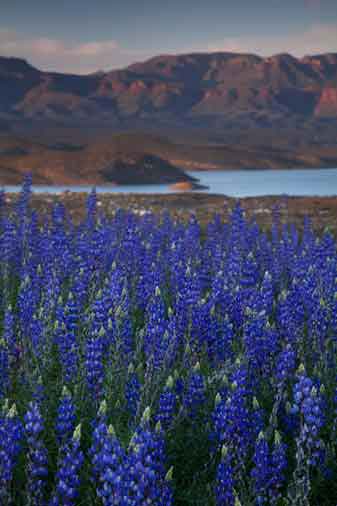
(151, 361)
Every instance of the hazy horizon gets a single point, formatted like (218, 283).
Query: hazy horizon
(82, 37)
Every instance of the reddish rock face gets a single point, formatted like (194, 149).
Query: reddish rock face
(327, 104)
(181, 86)
(107, 87)
(137, 87)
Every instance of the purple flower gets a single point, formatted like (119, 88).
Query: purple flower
(285, 365)
(11, 432)
(94, 364)
(224, 490)
(112, 473)
(4, 368)
(261, 470)
(132, 392)
(167, 405)
(98, 439)
(308, 404)
(146, 478)
(65, 418)
(278, 466)
(37, 465)
(70, 462)
(195, 393)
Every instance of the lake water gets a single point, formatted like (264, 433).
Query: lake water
(238, 183)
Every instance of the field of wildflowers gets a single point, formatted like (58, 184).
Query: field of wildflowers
(145, 361)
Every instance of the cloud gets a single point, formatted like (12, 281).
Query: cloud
(57, 55)
(312, 3)
(316, 4)
(85, 57)
(319, 38)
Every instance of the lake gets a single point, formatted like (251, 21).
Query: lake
(234, 183)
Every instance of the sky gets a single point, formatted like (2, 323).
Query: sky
(84, 36)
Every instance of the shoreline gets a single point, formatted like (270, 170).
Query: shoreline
(321, 210)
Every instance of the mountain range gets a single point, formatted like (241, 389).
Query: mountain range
(152, 120)
(189, 88)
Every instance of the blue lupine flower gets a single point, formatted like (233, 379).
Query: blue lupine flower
(146, 476)
(65, 418)
(37, 467)
(11, 432)
(132, 392)
(113, 479)
(225, 481)
(308, 403)
(94, 364)
(9, 335)
(155, 331)
(278, 464)
(66, 340)
(167, 405)
(4, 368)
(285, 364)
(98, 440)
(261, 470)
(234, 424)
(195, 393)
(70, 462)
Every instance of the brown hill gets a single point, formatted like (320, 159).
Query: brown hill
(133, 158)
(122, 159)
(194, 111)
(182, 88)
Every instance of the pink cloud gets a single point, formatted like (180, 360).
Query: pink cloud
(85, 57)
(56, 55)
(319, 38)
(313, 3)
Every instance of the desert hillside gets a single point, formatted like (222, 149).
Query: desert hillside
(182, 88)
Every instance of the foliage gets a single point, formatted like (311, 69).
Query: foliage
(146, 361)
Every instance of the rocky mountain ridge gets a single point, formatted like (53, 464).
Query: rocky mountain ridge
(200, 87)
